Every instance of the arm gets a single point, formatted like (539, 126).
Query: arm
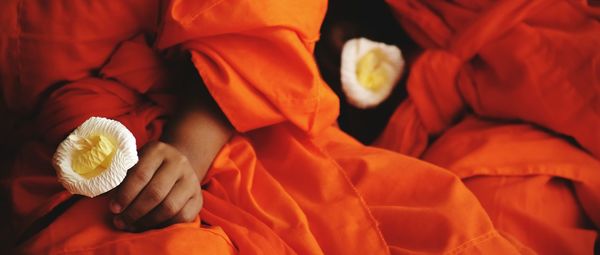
(200, 131)
(164, 187)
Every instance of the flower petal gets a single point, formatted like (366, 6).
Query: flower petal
(102, 151)
(369, 71)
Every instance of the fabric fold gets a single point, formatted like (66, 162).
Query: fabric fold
(552, 80)
(265, 62)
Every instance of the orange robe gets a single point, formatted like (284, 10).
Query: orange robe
(288, 183)
(517, 61)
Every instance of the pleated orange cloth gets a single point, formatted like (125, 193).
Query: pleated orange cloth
(504, 86)
(289, 182)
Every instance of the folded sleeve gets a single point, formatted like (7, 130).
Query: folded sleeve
(256, 59)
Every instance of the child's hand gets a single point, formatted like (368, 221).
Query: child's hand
(162, 189)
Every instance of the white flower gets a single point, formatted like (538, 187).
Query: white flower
(96, 157)
(369, 71)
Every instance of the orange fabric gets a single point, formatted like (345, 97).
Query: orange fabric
(536, 61)
(344, 198)
(528, 181)
(290, 184)
(521, 61)
(86, 229)
(552, 212)
(402, 191)
(293, 92)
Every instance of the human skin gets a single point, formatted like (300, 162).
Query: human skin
(164, 187)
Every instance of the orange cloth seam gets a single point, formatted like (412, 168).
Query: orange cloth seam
(191, 19)
(474, 242)
(364, 206)
(565, 170)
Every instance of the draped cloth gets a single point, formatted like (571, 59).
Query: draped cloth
(288, 182)
(535, 61)
(502, 88)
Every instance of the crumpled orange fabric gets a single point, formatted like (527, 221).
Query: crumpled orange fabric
(535, 61)
(535, 186)
(288, 183)
(497, 94)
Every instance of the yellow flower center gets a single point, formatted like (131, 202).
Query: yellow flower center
(371, 70)
(93, 156)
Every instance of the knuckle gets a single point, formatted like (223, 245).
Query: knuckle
(187, 217)
(161, 146)
(180, 165)
(169, 208)
(141, 176)
(179, 218)
(154, 194)
(151, 146)
(123, 198)
(181, 159)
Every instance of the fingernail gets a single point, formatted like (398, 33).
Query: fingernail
(119, 224)
(115, 207)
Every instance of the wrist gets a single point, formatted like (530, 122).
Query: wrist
(199, 134)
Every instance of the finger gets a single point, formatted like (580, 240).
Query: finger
(181, 193)
(137, 178)
(153, 194)
(189, 212)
